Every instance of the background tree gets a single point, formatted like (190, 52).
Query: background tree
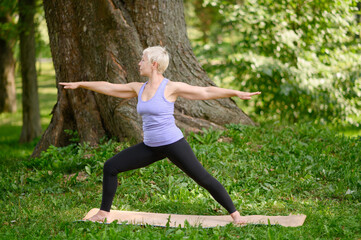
(103, 40)
(31, 113)
(7, 61)
(358, 17)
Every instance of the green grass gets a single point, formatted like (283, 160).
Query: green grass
(272, 169)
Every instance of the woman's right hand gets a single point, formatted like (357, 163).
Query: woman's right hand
(70, 85)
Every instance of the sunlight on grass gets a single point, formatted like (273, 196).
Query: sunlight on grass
(49, 90)
(47, 98)
(349, 130)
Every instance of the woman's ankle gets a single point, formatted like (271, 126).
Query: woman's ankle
(235, 214)
(103, 212)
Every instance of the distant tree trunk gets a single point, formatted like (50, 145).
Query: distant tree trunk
(7, 74)
(358, 17)
(102, 40)
(31, 114)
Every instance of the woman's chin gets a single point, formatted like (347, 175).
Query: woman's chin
(143, 74)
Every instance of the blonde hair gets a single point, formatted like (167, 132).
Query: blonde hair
(159, 55)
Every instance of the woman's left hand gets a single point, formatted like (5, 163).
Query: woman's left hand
(247, 95)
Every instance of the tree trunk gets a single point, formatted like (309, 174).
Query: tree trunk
(7, 74)
(358, 18)
(31, 114)
(102, 40)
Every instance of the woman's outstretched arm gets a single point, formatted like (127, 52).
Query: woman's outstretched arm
(206, 93)
(128, 90)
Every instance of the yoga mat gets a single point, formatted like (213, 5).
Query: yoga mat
(161, 219)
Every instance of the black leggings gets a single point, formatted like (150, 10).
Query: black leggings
(140, 155)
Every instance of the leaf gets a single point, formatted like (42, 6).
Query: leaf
(87, 170)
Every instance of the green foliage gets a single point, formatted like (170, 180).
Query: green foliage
(271, 169)
(8, 29)
(75, 157)
(304, 56)
(208, 136)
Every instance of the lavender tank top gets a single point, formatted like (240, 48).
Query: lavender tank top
(158, 121)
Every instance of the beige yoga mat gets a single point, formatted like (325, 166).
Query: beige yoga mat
(161, 219)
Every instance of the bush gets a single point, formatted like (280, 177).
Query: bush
(76, 157)
(304, 56)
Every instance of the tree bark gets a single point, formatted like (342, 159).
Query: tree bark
(7, 74)
(102, 40)
(31, 114)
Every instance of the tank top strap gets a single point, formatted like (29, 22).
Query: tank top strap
(162, 86)
(141, 90)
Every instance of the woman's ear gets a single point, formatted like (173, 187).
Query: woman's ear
(155, 65)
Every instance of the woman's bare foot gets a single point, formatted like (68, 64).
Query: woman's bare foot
(100, 216)
(237, 218)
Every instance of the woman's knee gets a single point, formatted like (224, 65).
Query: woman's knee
(109, 168)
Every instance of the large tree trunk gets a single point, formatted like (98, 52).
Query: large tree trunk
(7, 74)
(31, 114)
(102, 40)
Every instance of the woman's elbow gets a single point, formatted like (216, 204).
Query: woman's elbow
(207, 93)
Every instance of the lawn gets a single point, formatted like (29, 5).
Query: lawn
(273, 169)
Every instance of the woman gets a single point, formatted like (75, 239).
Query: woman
(162, 138)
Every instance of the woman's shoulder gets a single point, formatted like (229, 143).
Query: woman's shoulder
(173, 83)
(136, 86)
(177, 85)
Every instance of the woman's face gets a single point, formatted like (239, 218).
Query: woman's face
(145, 67)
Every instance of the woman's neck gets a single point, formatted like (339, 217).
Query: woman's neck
(155, 78)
